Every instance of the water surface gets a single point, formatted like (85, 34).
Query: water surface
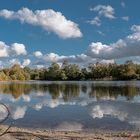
(107, 105)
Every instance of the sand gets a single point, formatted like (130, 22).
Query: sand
(15, 133)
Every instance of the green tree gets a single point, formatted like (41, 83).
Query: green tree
(17, 73)
(127, 71)
(72, 72)
(3, 76)
(53, 72)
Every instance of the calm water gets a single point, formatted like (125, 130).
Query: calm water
(72, 105)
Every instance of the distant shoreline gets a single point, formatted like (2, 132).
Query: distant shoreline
(65, 80)
(73, 72)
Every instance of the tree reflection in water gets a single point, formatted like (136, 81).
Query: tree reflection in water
(76, 103)
(69, 90)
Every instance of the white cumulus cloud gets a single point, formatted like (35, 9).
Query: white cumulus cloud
(52, 57)
(105, 11)
(19, 48)
(26, 62)
(37, 53)
(3, 49)
(129, 46)
(49, 20)
(95, 21)
(13, 49)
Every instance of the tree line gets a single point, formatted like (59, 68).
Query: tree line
(67, 71)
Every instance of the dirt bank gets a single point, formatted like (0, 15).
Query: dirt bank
(15, 133)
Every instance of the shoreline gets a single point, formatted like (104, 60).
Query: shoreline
(95, 80)
(15, 133)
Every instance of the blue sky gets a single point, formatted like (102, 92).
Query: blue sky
(95, 26)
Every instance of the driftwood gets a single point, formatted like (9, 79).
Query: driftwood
(5, 118)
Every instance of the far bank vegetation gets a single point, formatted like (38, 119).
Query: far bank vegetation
(98, 71)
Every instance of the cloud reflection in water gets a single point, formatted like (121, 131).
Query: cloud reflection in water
(100, 101)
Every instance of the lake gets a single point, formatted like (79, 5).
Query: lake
(84, 105)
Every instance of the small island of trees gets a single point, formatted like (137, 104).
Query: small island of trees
(98, 71)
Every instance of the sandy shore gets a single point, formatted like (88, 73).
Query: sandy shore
(15, 133)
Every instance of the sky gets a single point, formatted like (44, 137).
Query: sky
(36, 33)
